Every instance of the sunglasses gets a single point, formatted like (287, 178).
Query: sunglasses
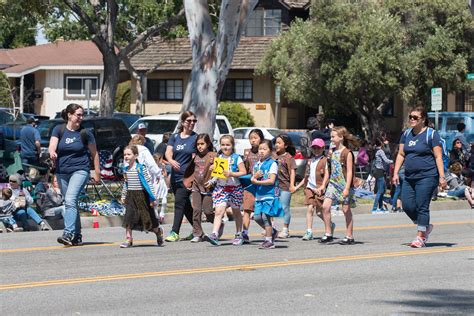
(11, 181)
(191, 121)
(414, 117)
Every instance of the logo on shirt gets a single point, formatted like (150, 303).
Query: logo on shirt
(180, 147)
(70, 140)
(412, 143)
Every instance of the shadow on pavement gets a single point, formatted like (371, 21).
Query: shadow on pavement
(440, 301)
(435, 244)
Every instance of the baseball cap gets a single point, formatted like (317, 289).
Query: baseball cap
(141, 126)
(318, 142)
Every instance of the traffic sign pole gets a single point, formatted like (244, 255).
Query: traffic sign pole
(436, 102)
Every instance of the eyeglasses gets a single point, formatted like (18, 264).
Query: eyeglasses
(191, 121)
(413, 117)
(78, 115)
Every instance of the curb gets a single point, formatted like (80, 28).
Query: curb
(300, 211)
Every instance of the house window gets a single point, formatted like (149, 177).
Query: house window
(238, 89)
(76, 85)
(264, 23)
(160, 89)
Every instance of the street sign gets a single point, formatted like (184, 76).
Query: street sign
(436, 99)
(470, 76)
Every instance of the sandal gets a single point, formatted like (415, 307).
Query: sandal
(127, 244)
(347, 241)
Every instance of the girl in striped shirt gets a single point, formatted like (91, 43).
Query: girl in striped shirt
(139, 197)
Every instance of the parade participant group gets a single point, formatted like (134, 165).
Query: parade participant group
(258, 185)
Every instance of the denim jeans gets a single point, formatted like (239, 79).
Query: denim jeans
(416, 198)
(380, 185)
(22, 215)
(398, 190)
(285, 199)
(8, 220)
(71, 186)
(459, 192)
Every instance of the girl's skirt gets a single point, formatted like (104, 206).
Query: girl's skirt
(229, 196)
(139, 215)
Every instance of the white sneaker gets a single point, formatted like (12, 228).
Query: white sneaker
(284, 234)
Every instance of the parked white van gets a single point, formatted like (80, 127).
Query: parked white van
(157, 125)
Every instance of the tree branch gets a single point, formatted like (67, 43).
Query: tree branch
(129, 50)
(111, 22)
(95, 32)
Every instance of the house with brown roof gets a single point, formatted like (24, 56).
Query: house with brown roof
(48, 77)
(166, 66)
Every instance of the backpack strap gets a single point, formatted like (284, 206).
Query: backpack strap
(82, 133)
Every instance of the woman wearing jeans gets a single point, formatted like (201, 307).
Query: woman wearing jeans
(381, 164)
(68, 147)
(420, 149)
(179, 153)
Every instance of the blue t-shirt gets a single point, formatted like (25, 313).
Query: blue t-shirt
(72, 153)
(419, 158)
(28, 136)
(183, 150)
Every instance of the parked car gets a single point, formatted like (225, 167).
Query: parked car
(128, 118)
(157, 125)
(37, 118)
(300, 160)
(241, 136)
(110, 134)
(10, 127)
(447, 125)
(91, 113)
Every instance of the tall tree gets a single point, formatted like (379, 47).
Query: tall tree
(117, 27)
(17, 27)
(212, 54)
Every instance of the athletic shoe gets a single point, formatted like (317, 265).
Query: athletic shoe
(189, 237)
(246, 238)
(213, 239)
(418, 243)
(429, 229)
(274, 235)
(196, 239)
(238, 240)
(267, 245)
(44, 226)
(326, 239)
(333, 228)
(308, 236)
(77, 240)
(221, 230)
(347, 241)
(172, 237)
(375, 211)
(66, 240)
(284, 234)
(159, 237)
(127, 244)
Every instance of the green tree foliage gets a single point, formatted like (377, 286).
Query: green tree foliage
(123, 97)
(5, 92)
(17, 26)
(237, 114)
(350, 57)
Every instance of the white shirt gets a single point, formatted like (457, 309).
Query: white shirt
(312, 172)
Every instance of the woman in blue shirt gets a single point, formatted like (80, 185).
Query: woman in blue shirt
(420, 150)
(68, 147)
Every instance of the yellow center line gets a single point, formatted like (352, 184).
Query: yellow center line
(265, 265)
(297, 232)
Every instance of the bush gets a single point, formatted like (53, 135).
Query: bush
(122, 98)
(237, 114)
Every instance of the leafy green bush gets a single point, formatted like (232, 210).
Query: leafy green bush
(237, 114)
(5, 92)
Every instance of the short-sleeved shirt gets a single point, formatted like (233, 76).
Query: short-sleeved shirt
(183, 150)
(419, 157)
(149, 145)
(285, 164)
(28, 136)
(72, 152)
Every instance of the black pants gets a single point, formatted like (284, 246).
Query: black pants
(182, 205)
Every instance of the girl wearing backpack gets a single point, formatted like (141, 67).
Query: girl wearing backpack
(420, 151)
(68, 148)
(340, 189)
(228, 192)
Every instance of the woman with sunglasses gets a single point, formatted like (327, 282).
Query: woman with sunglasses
(457, 154)
(421, 153)
(69, 147)
(179, 153)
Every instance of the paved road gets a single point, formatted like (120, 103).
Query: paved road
(378, 275)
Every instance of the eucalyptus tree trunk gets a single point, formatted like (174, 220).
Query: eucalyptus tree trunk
(212, 55)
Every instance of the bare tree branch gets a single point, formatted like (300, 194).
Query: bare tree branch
(95, 32)
(151, 31)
